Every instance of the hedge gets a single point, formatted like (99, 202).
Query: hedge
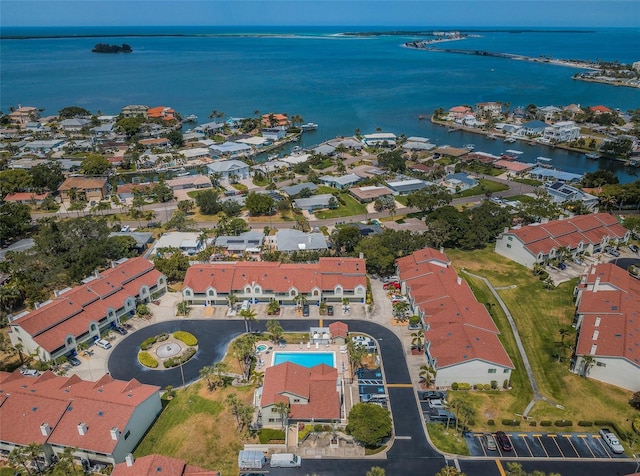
(564, 423)
(270, 434)
(545, 423)
(186, 337)
(179, 359)
(585, 423)
(148, 343)
(491, 422)
(511, 422)
(146, 360)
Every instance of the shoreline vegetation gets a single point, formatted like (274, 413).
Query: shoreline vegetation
(106, 48)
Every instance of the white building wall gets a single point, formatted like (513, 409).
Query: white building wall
(142, 418)
(472, 372)
(612, 370)
(514, 250)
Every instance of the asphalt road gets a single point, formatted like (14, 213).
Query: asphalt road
(410, 454)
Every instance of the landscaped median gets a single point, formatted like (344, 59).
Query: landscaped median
(169, 349)
(540, 315)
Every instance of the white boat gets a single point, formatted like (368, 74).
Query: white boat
(309, 126)
(469, 146)
(515, 152)
(509, 140)
(190, 118)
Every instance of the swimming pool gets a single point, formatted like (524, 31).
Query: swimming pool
(306, 359)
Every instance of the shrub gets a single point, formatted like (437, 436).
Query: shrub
(486, 386)
(511, 422)
(491, 422)
(464, 386)
(585, 423)
(270, 434)
(475, 386)
(317, 427)
(563, 423)
(179, 359)
(146, 360)
(494, 385)
(186, 337)
(545, 423)
(602, 423)
(148, 343)
(533, 423)
(162, 337)
(454, 386)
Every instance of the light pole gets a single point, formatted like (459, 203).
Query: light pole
(182, 374)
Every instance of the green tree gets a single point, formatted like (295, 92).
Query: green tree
(275, 330)
(259, 203)
(369, 424)
(429, 198)
(243, 349)
(95, 164)
(47, 176)
(449, 471)
(14, 180)
(172, 263)
(66, 461)
(207, 202)
(588, 361)
(392, 160)
(176, 138)
(249, 315)
(180, 221)
(19, 459)
(282, 409)
(130, 126)
(71, 112)
(346, 238)
(356, 353)
(162, 192)
(186, 206)
(15, 220)
(376, 471)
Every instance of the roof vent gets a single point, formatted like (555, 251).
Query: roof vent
(115, 433)
(129, 459)
(82, 429)
(45, 429)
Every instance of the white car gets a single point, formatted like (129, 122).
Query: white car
(30, 373)
(611, 439)
(103, 343)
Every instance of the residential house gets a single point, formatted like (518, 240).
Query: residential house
(316, 202)
(370, 193)
(342, 182)
(532, 128)
(196, 153)
(494, 109)
(143, 239)
(83, 313)
(293, 190)
(415, 144)
(545, 174)
(548, 113)
(324, 149)
(560, 193)
(188, 242)
(348, 142)
(161, 112)
(461, 339)
(458, 182)
(339, 332)
(134, 111)
(274, 133)
(404, 187)
(563, 131)
(607, 319)
(273, 120)
(249, 242)
(189, 182)
(541, 242)
(328, 280)
(380, 139)
(160, 142)
(74, 125)
(209, 127)
(229, 170)
(103, 421)
(289, 240)
(367, 229)
(513, 166)
(230, 149)
(86, 188)
(458, 112)
(24, 114)
(159, 464)
(311, 393)
(44, 146)
(27, 198)
(600, 110)
(573, 109)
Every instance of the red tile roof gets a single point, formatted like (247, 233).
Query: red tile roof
(316, 384)
(459, 328)
(25, 197)
(338, 329)
(62, 403)
(72, 311)
(161, 465)
(588, 229)
(277, 277)
(611, 315)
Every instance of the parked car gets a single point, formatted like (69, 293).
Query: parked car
(634, 248)
(612, 251)
(389, 279)
(436, 403)
(305, 310)
(330, 311)
(120, 330)
(490, 442)
(432, 395)
(562, 266)
(29, 372)
(103, 344)
(74, 361)
(503, 441)
(611, 439)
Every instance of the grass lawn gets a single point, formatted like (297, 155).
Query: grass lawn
(446, 440)
(520, 198)
(196, 427)
(401, 199)
(350, 208)
(539, 315)
(484, 185)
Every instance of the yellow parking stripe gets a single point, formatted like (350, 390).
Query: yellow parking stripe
(320, 323)
(500, 468)
(400, 385)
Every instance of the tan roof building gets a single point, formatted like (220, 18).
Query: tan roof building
(85, 188)
(370, 193)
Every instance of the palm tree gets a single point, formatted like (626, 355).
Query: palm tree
(19, 458)
(34, 451)
(233, 402)
(275, 329)
(206, 373)
(282, 409)
(563, 333)
(231, 300)
(243, 350)
(588, 361)
(356, 353)
(300, 300)
(427, 373)
(66, 460)
(417, 339)
(248, 315)
(19, 349)
(257, 379)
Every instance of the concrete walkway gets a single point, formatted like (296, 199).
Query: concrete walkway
(514, 329)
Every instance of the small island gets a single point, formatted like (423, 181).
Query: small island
(106, 48)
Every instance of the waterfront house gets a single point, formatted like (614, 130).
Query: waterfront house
(541, 242)
(229, 170)
(573, 109)
(532, 128)
(160, 142)
(273, 120)
(545, 174)
(315, 202)
(274, 133)
(101, 421)
(311, 393)
(328, 280)
(458, 112)
(209, 127)
(461, 339)
(85, 188)
(161, 112)
(560, 193)
(494, 109)
(513, 166)
(563, 131)
(81, 314)
(349, 143)
(324, 149)
(230, 149)
(24, 114)
(380, 139)
(600, 110)
(548, 113)
(74, 125)
(607, 304)
(417, 144)
(134, 110)
(289, 240)
(341, 183)
(188, 182)
(458, 182)
(196, 153)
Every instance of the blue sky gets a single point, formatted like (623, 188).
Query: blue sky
(515, 13)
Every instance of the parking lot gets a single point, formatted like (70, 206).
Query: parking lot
(545, 445)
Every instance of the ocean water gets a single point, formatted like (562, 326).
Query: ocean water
(340, 82)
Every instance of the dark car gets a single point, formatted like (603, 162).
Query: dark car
(120, 330)
(74, 361)
(562, 266)
(432, 395)
(634, 248)
(503, 441)
(330, 311)
(305, 310)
